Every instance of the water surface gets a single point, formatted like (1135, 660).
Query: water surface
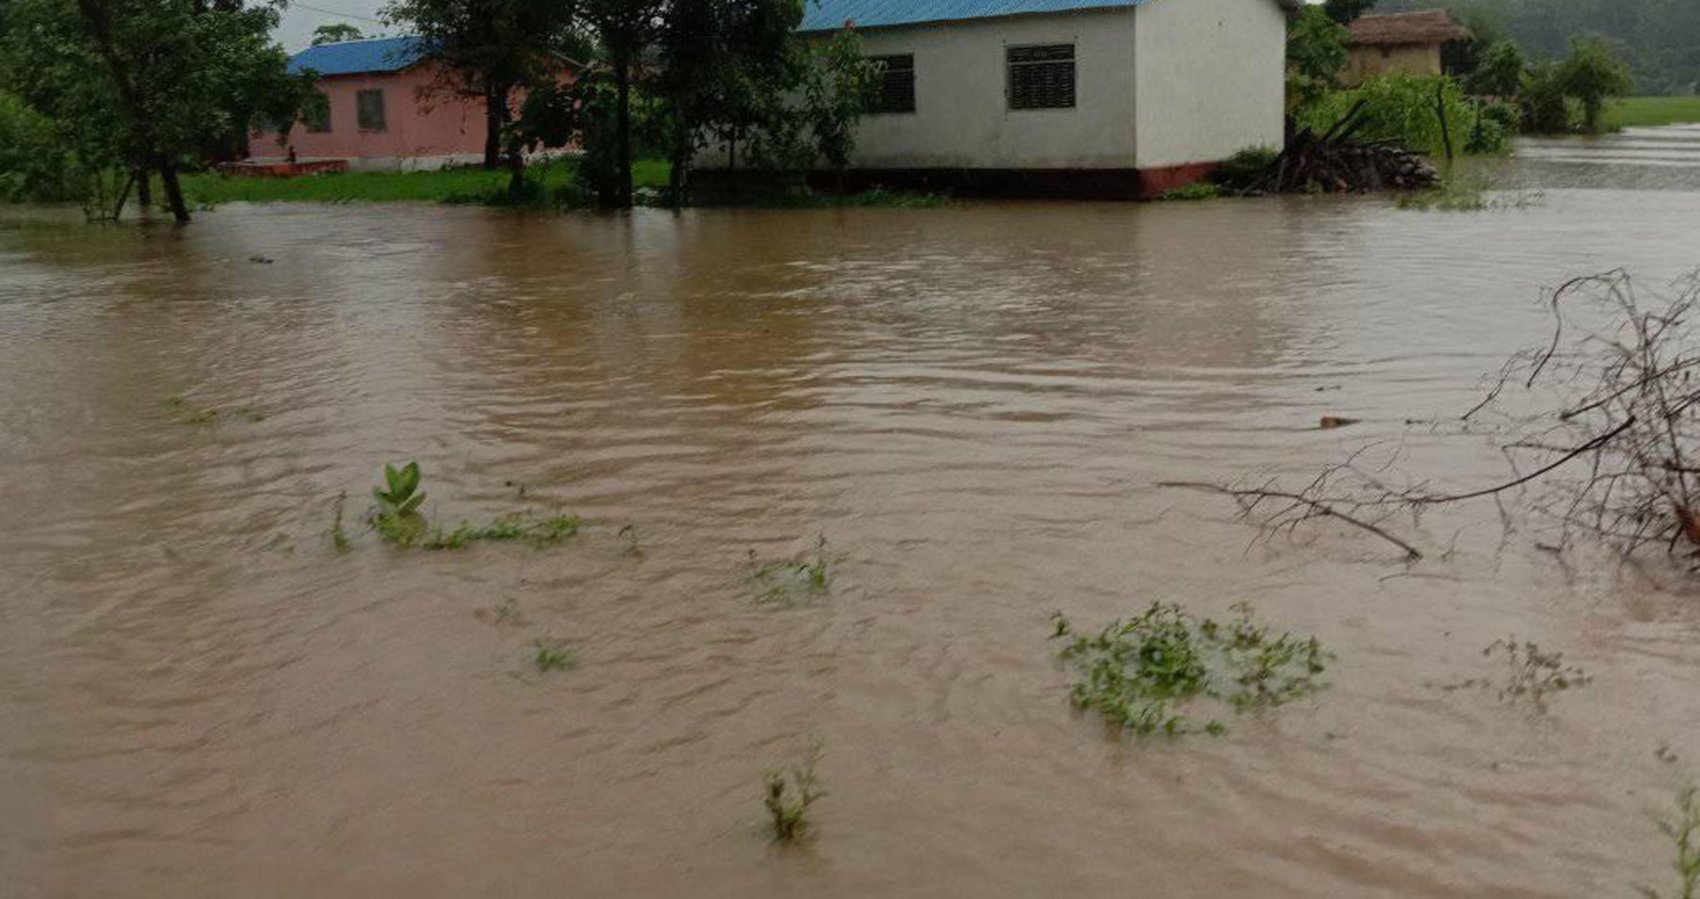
(972, 404)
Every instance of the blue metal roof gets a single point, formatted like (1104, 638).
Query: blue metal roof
(830, 15)
(383, 54)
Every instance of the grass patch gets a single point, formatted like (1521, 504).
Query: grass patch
(785, 581)
(1641, 112)
(453, 185)
(1466, 193)
(1141, 672)
(1197, 190)
(788, 793)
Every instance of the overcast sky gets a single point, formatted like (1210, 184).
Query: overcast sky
(299, 20)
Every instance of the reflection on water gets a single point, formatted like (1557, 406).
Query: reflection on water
(1665, 158)
(203, 698)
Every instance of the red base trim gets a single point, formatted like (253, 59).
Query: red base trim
(1156, 182)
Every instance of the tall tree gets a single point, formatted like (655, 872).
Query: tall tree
(624, 30)
(723, 63)
(151, 84)
(488, 48)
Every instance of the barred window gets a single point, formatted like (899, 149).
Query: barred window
(369, 109)
(896, 91)
(318, 114)
(1041, 77)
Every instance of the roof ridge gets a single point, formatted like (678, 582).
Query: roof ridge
(364, 40)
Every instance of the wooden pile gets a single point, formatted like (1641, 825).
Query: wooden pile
(1334, 162)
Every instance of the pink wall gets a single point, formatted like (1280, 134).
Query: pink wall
(436, 125)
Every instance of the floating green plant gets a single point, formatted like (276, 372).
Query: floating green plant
(1682, 830)
(1531, 673)
(786, 580)
(1140, 673)
(788, 794)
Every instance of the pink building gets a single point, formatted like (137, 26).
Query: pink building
(381, 112)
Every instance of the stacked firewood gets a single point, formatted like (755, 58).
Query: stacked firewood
(1333, 162)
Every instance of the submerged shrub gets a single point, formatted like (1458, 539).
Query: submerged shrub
(1139, 673)
(1404, 108)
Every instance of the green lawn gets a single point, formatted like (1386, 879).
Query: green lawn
(1643, 111)
(461, 185)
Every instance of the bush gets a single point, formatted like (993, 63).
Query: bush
(32, 165)
(1402, 108)
(1238, 171)
(1490, 132)
(1544, 107)
(1591, 75)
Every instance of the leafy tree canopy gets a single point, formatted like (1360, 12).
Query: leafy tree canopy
(336, 33)
(1660, 39)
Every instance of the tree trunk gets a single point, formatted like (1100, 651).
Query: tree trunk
(144, 189)
(516, 177)
(495, 119)
(174, 193)
(681, 160)
(623, 131)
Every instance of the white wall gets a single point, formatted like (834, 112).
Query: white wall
(962, 116)
(1210, 79)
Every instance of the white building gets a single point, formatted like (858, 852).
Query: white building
(1095, 97)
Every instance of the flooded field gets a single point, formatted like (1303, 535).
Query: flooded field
(202, 697)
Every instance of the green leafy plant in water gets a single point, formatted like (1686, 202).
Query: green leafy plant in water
(403, 495)
(785, 580)
(1139, 672)
(788, 794)
(554, 657)
(397, 519)
(1682, 831)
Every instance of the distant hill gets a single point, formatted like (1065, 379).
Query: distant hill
(1660, 38)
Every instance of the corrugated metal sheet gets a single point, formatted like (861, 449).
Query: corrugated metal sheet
(830, 15)
(385, 54)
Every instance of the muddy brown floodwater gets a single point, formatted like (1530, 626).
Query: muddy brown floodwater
(200, 697)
